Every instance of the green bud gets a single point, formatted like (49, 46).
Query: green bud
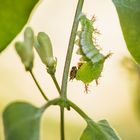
(29, 38)
(25, 49)
(44, 48)
(26, 57)
(41, 51)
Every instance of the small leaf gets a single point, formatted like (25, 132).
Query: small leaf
(99, 131)
(13, 16)
(21, 121)
(129, 15)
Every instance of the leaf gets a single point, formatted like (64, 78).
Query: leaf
(13, 16)
(99, 131)
(89, 72)
(129, 15)
(21, 121)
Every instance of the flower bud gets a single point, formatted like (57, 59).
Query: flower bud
(25, 49)
(29, 38)
(44, 48)
(26, 57)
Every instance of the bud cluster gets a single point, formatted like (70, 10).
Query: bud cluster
(43, 46)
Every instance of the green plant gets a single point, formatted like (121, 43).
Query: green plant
(19, 125)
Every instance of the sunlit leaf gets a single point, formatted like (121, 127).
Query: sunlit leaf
(99, 131)
(129, 15)
(89, 72)
(21, 121)
(13, 16)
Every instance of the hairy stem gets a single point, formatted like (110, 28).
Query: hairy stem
(70, 49)
(37, 84)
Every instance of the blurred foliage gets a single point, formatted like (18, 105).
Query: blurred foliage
(129, 15)
(13, 16)
(133, 70)
(21, 121)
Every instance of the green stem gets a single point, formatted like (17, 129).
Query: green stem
(49, 103)
(62, 130)
(68, 60)
(41, 91)
(62, 126)
(56, 83)
(70, 49)
(78, 110)
(58, 101)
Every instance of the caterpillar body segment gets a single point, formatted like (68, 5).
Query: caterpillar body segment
(86, 43)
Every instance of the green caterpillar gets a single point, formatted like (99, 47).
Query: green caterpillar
(87, 47)
(92, 61)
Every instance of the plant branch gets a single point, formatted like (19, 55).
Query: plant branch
(37, 84)
(70, 49)
(62, 126)
(68, 60)
(62, 130)
(59, 101)
(79, 111)
(56, 83)
(51, 102)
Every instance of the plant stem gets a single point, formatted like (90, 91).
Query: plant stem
(78, 110)
(62, 126)
(62, 134)
(70, 49)
(49, 103)
(37, 84)
(59, 101)
(56, 83)
(68, 60)
(62, 130)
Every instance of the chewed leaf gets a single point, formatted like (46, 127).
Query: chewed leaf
(99, 131)
(89, 72)
(21, 121)
(14, 15)
(129, 15)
